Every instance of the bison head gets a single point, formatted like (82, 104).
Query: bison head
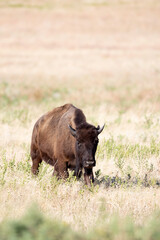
(86, 136)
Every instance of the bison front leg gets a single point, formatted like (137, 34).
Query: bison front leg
(78, 171)
(60, 170)
(88, 176)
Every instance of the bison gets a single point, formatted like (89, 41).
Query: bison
(64, 139)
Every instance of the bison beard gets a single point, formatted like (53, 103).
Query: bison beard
(65, 140)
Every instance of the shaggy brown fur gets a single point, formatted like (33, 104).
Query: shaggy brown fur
(65, 140)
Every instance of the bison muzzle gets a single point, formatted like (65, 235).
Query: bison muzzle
(65, 140)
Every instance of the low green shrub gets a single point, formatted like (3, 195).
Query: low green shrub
(34, 226)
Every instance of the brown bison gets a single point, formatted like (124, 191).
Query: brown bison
(65, 140)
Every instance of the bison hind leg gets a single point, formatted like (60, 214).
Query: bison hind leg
(61, 170)
(36, 161)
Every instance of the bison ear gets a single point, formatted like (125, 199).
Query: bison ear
(72, 130)
(100, 129)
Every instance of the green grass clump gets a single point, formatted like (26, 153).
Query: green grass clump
(129, 156)
(115, 149)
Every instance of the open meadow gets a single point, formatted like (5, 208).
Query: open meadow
(103, 57)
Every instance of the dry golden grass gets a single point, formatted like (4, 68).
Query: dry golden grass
(105, 59)
(81, 209)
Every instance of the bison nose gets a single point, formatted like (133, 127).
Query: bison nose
(89, 163)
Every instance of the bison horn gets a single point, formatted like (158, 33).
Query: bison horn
(99, 130)
(72, 130)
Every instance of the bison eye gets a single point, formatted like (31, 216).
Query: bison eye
(79, 144)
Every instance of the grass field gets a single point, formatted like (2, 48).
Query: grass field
(103, 57)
